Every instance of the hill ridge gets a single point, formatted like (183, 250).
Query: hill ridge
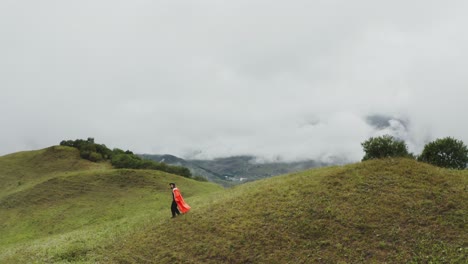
(392, 210)
(21, 170)
(76, 194)
(363, 212)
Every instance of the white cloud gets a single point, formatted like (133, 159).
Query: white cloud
(289, 79)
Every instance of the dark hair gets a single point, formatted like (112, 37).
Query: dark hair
(172, 183)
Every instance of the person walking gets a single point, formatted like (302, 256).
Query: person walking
(178, 204)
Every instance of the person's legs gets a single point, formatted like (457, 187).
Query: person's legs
(174, 209)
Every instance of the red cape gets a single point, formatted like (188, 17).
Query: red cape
(181, 204)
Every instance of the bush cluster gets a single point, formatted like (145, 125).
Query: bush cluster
(120, 159)
(446, 152)
(384, 147)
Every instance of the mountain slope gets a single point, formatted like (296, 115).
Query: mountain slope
(381, 211)
(194, 168)
(23, 169)
(393, 211)
(233, 170)
(78, 206)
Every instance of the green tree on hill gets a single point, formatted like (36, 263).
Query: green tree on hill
(120, 159)
(384, 147)
(126, 161)
(446, 152)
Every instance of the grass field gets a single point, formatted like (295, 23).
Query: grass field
(60, 208)
(382, 211)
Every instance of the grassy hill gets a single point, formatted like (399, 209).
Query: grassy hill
(383, 211)
(57, 207)
(24, 169)
(386, 211)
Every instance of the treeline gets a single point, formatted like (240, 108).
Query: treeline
(443, 152)
(121, 159)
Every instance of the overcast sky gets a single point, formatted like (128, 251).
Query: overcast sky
(285, 80)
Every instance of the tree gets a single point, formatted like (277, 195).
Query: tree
(68, 143)
(95, 157)
(383, 147)
(126, 161)
(104, 151)
(92, 151)
(446, 152)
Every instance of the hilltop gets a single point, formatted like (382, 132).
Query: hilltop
(21, 170)
(392, 210)
(56, 206)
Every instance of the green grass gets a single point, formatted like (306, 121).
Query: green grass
(382, 211)
(65, 216)
(22, 170)
(390, 211)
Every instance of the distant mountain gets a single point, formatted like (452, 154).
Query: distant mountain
(237, 169)
(395, 126)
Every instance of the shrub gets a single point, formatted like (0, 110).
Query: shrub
(446, 152)
(200, 178)
(182, 171)
(126, 161)
(383, 147)
(120, 159)
(95, 157)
